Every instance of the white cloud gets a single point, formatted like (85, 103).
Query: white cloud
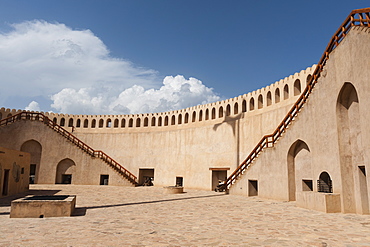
(175, 93)
(33, 106)
(75, 70)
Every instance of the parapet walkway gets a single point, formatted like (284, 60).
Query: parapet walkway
(144, 216)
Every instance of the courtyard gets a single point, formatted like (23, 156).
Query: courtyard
(145, 216)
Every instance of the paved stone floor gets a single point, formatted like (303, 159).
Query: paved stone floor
(145, 216)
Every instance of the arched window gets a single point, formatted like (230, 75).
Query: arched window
(194, 116)
(123, 123)
(269, 98)
(160, 121)
(55, 120)
(260, 101)
(324, 184)
(309, 77)
(277, 95)
(130, 123)
(116, 123)
(146, 120)
(138, 122)
(236, 108)
(70, 122)
(101, 123)
(186, 118)
(93, 123)
(297, 87)
(213, 113)
(166, 121)
(221, 112)
(108, 123)
(78, 124)
(228, 110)
(179, 119)
(244, 106)
(173, 120)
(207, 114)
(62, 122)
(200, 115)
(86, 123)
(286, 91)
(153, 121)
(251, 104)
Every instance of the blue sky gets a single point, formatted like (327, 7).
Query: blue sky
(157, 55)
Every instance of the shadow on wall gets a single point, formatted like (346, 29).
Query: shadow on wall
(235, 125)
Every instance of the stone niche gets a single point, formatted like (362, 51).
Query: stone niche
(325, 202)
(43, 206)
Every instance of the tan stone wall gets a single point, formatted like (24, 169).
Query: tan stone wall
(14, 171)
(320, 126)
(55, 149)
(187, 143)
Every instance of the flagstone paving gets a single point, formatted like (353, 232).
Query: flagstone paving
(145, 216)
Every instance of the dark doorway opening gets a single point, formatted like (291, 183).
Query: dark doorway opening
(363, 189)
(32, 173)
(66, 178)
(6, 182)
(104, 179)
(218, 177)
(146, 176)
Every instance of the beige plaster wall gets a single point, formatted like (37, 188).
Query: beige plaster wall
(317, 126)
(55, 148)
(18, 164)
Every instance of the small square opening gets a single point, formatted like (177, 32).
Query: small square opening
(307, 185)
(179, 181)
(252, 188)
(104, 179)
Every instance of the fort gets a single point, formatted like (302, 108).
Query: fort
(302, 138)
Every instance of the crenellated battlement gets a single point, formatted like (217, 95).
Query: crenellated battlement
(279, 94)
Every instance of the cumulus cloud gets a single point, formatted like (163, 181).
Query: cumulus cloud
(175, 93)
(75, 70)
(33, 106)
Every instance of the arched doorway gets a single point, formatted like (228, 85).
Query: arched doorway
(65, 171)
(299, 168)
(352, 168)
(35, 149)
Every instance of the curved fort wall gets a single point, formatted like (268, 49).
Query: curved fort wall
(317, 156)
(192, 143)
(326, 147)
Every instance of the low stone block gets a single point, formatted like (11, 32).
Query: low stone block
(173, 189)
(325, 202)
(43, 206)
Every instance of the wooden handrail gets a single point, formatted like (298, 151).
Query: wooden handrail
(72, 138)
(358, 17)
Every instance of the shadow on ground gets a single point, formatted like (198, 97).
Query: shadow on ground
(81, 211)
(6, 201)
